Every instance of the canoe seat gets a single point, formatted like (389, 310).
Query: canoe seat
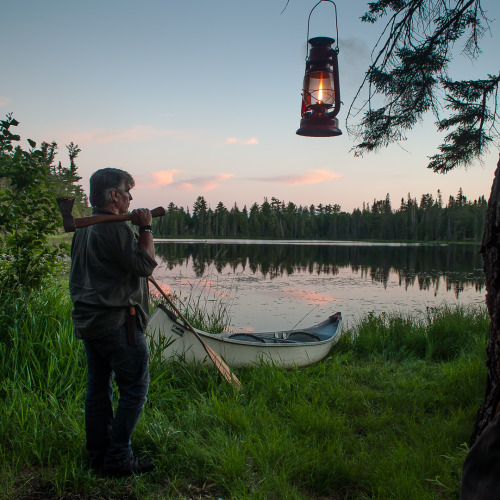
(303, 337)
(247, 337)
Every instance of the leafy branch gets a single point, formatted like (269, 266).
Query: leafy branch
(29, 184)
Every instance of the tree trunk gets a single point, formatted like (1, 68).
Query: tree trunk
(490, 249)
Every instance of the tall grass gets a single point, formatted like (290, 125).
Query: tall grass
(442, 335)
(204, 305)
(386, 415)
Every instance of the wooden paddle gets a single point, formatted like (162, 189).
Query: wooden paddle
(217, 360)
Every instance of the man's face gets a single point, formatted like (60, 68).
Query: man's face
(123, 199)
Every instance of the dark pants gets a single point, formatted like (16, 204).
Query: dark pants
(108, 437)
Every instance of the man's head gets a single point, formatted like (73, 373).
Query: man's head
(109, 187)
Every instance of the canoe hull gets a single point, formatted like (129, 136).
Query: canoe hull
(178, 342)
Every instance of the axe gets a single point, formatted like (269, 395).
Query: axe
(70, 223)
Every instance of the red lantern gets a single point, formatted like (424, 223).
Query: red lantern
(321, 91)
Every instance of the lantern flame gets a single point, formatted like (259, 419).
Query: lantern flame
(320, 91)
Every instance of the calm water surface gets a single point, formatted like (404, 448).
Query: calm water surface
(275, 285)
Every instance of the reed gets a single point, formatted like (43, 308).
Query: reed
(442, 334)
(202, 303)
(386, 415)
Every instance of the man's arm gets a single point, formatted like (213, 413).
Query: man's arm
(142, 217)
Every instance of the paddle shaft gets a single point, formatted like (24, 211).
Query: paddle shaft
(217, 360)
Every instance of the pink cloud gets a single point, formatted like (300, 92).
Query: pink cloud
(203, 183)
(4, 101)
(311, 177)
(138, 133)
(164, 177)
(245, 142)
(157, 179)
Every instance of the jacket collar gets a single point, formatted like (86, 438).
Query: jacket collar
(101, 211)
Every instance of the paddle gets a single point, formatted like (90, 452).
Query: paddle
(217, 360)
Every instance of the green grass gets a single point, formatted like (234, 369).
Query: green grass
(385, 416)
(202, 304)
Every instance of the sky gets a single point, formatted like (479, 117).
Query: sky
(203, 99)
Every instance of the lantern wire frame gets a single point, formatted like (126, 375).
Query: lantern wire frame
(336, 26)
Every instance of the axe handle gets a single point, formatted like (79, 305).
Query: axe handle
(97, 219)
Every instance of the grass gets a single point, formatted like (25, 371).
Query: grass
(202, 304)
(385, 416)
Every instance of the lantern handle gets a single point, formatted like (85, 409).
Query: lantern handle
(336, 24)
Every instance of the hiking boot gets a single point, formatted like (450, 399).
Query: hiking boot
(134, 465)
(96, 464)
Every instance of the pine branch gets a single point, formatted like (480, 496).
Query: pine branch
(409, 71)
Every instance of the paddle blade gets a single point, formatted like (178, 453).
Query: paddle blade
(221, 365)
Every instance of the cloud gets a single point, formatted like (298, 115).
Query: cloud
(157, 179)
(166, 178)
(138, 133)
(4, 101)
(204, 183)
(311, 177)
(245, 142)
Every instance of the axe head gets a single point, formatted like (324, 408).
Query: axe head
(66, 206)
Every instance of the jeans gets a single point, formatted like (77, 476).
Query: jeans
(108, 436)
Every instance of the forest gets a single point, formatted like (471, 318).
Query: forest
(429, 219)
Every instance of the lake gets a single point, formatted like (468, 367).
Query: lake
(276, 285)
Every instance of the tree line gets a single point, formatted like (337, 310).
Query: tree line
(429, 219)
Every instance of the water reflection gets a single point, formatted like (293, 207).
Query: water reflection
(280, 285)
(426, 266)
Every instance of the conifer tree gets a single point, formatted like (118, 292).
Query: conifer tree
(410, 74)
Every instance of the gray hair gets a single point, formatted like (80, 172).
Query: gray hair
(104, 181)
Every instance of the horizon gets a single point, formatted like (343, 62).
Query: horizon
(445, 200)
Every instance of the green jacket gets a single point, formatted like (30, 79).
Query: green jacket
(108, 274)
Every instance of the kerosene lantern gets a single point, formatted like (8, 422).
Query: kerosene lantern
(321, 91)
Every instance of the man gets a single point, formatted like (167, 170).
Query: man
(108, 287)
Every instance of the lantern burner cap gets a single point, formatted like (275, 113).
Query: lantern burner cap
(321, 41)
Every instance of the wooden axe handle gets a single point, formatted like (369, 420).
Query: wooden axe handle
(97, 219)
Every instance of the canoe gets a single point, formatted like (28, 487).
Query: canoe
(288, 348)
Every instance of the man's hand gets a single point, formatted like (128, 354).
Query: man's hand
(141, 217)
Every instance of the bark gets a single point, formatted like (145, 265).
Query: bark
(490, 249)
